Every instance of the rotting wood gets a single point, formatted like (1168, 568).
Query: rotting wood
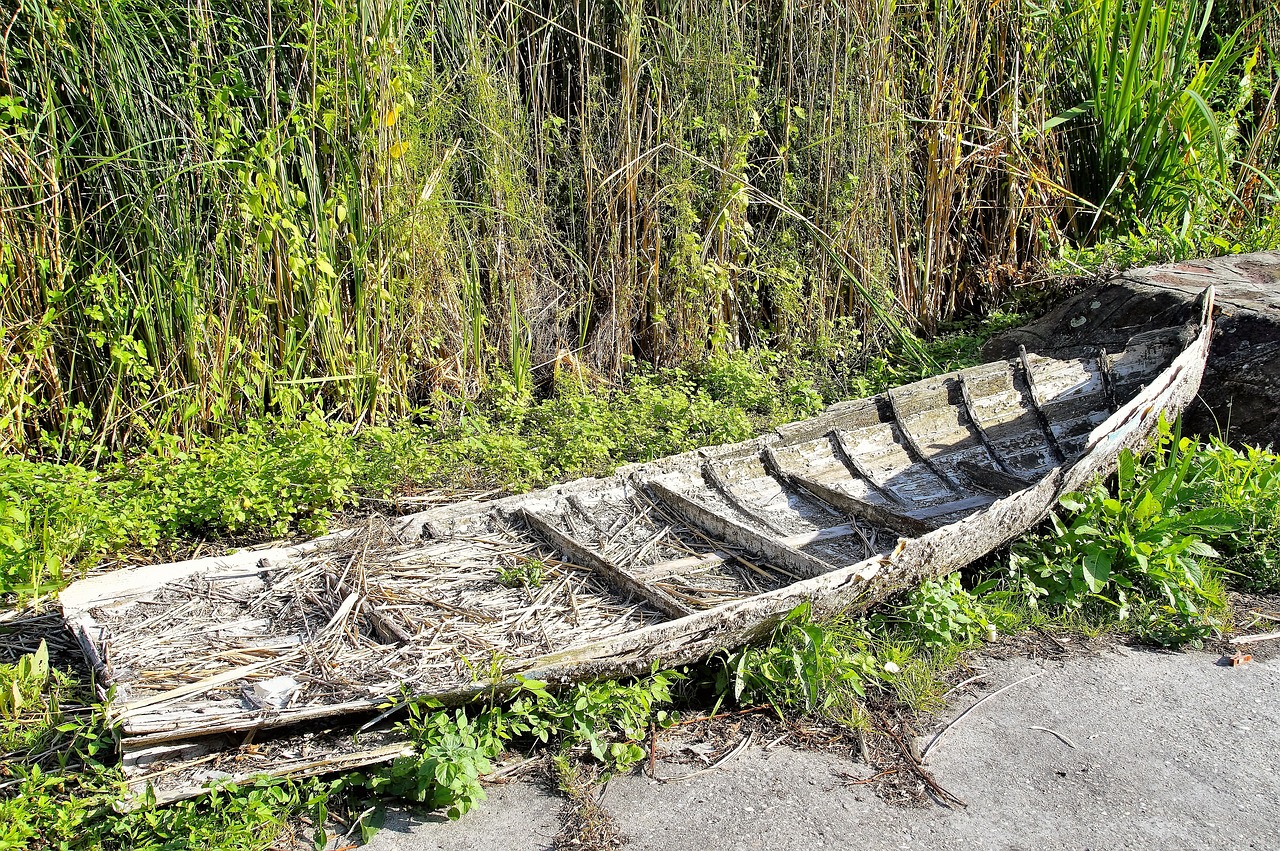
(575, 627)
(915, 449)
(387, 629)
(851, 460)
(996, 481)
(1108, 377)
(966, 393)
(722, 487)
(901, 522)
(931, 512)
(614, 575)
(729, 530)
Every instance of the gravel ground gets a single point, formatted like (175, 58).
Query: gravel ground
(1123, 749)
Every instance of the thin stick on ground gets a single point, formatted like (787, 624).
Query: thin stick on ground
(938, 737)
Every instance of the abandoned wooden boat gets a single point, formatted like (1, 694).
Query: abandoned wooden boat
(259, 661)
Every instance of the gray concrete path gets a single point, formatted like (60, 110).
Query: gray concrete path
(1171, 751)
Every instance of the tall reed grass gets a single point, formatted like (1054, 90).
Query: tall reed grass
(1150, 140)
(212, 211)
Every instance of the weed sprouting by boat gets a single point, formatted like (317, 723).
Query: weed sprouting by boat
(1150, 550)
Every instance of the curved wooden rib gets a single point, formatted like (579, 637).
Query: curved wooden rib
(917, 452)
(855, 466)
(1028, 375)
(680, 565)
(898, 521)
(617, 578)
(717, 482)
(971, 411)
(997, 403)
(1072, 392)
(1108, 379)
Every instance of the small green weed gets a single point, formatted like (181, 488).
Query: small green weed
(805, 666)
(941, 613)
(607, 718)
(530, 573)
(23, 684)
(1244, 485)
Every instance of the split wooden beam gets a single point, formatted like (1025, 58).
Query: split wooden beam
(733, 532)
(618, 578)
(1042, 416)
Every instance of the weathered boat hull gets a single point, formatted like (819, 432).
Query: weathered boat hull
(668, 561)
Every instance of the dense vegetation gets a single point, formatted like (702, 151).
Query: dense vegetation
(261, 265)
(213, 212)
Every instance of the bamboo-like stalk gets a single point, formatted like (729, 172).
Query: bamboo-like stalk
(210, 213)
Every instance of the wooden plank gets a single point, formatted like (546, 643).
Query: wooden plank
(616, 577)
(831, 533)
(967, 504)
(199, 686)
(166, 792)
(733, 532)
(855, 466)
(722, 487)
(881, 515)
(841, 416)
(1001, 407)
(688, 563)
(1108, 378)
(994, 481)
(971, 410)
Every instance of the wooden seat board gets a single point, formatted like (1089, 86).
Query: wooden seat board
(752, 485)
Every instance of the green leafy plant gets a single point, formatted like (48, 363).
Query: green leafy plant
(805, 665)
(456, 747)
(941, 613)
(529, 573)
(610, 718)
(1244, 486)
(1135, 551)
(454, 751)
(1146, 142)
